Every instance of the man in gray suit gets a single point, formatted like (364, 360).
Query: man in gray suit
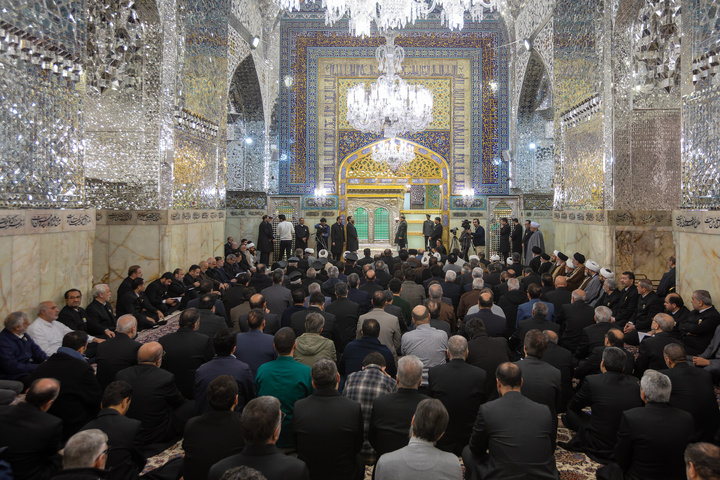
(429, 462)
(389, 325)
(427, 229)
(512, 436)
(277, 296)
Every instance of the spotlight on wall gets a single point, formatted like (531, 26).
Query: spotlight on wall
(249, 140)
(532, 146)
(255, 42)
(526, 42)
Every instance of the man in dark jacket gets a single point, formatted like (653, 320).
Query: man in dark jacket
(337, 238)
(19, 354)
(516, 237)
(157, 294)
(352, 235)
(486, 353)
(505, 232)
(119, 352)
(265, 239)
(699, 329)
(79, 397)
(99, 311)
(651, 348)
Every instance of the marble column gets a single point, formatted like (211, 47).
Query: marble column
(697, 239)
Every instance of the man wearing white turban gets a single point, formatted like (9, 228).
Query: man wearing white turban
(535, 240)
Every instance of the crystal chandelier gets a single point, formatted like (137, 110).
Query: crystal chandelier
(394, 152)
(392, 106)
(392, 14)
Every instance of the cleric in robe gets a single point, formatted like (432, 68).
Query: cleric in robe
(535, 240)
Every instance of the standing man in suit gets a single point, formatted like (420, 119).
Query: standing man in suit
(346, 314)
(80, 393)
(392, 413)
(512, 436)
(461, 389)
(277, 296)
(516, 237)
(31, 434)
(266, 239)
(353, 243)
(425, 342)
(505, 232)
(302, 234)
(260, 428)
(389, 325)
(119, 352)
(185, 351)
(337, 238)
(667, 282)
(99, 311)
(255, 346)
(213, 436)
(652, 439)
(692, 391)
(608, 395)
(478, 237)
(328, 428)
(427, 230)
(526, 237)
(158, 404)
(437, 232)
(429, 462)
(698, 331)
(401, 233)
(485, 352)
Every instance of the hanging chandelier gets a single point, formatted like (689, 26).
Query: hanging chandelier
(393, 14)
(392, 106)
(394, 152)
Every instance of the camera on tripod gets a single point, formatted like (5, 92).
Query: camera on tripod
(465, 224)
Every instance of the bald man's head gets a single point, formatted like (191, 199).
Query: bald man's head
(150, 353)
(420, 315)
(560, 281)
(126, 324)
(551, 336)
(370, 275)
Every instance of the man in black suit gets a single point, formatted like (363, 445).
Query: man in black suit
(75, 317)
(652, 439)
(260, 428)
(158, 404)
(651, 348)
(610, 296)
(346, 314)
(317, 305)
(512, 436)
(370, 286)
(210, 323)
(80, 392)
(451, 289)
(594, 335)
(328, 428)
(277, 296)
(302, 234)
(393, 412)
(627, 306)
(485, 352)
(649, 305)
(561, 359)
(260, 280)
(436, 235)
(692, 391)
(667, 282)
(542, 383)
(134, 271)
(361, 297)
(675, 307)
(608, 395)
(100, 312)
(495, 325)
(560, 296)
(516, 237)
(505, 232)
(698, 331)
(32, 435)
(135, 303)
(537, 322)
(573, 318)
(591, 366)
(337, 238)
(119, 352)
(213, 436)
(461, 388)
(125, 460)
(157, 294)
(265, 239)
(185, 350)
(238, 293)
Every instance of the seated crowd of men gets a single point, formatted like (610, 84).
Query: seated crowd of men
(317, 367)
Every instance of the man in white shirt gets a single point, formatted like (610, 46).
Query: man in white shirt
(285, 232)
(47, 332)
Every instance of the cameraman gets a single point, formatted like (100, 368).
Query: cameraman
(478, 237)
(466, 239)
(322, 231)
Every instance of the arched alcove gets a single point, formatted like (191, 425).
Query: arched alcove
(246, 130)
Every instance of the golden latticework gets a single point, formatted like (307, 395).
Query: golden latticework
(421, 167)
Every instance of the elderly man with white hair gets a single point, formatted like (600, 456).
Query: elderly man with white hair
(47, 332)
(535, 240)
(592, 285)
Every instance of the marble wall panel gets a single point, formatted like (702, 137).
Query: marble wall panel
(26, 268)
(643, 250)
(694, 252)
(100, 255)
(132, 245)
(596, 242)
(240, 227)
(176, 255)
(547, 226)
(6, 262)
